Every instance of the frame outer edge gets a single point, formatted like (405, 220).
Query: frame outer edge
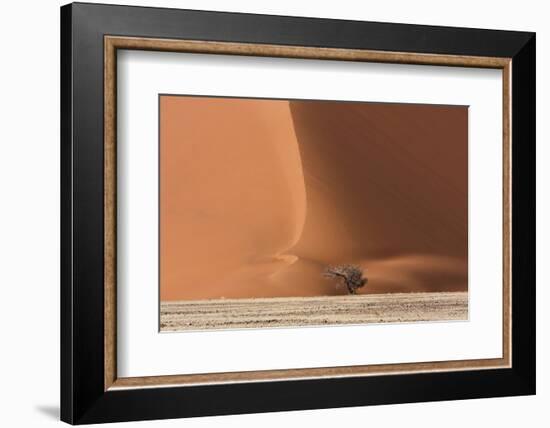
(66, 304)
(524, 215)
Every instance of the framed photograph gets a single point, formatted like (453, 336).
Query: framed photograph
(265, 213)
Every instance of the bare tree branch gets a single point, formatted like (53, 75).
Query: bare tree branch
(350, 275)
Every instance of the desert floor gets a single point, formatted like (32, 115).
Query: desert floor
(311, 311)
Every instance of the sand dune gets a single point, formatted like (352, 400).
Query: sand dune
(232, 196)
(258, 196)
(393, 180)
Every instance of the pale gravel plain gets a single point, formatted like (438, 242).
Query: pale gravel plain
(312, 311)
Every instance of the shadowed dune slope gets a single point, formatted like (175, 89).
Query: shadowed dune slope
(387, 188)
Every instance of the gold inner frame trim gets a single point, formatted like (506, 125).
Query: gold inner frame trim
(113, 43)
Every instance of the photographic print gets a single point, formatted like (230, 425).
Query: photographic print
(278, 213)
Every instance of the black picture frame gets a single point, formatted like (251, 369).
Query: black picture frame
(83, 396)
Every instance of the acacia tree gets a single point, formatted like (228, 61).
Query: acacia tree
(350, 275)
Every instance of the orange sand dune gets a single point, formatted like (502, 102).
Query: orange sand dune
(232, 195)
(387, 189)
(258, 196)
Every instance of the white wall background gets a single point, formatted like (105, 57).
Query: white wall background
(29, 215)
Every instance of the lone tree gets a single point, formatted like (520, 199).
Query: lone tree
(350, 275)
